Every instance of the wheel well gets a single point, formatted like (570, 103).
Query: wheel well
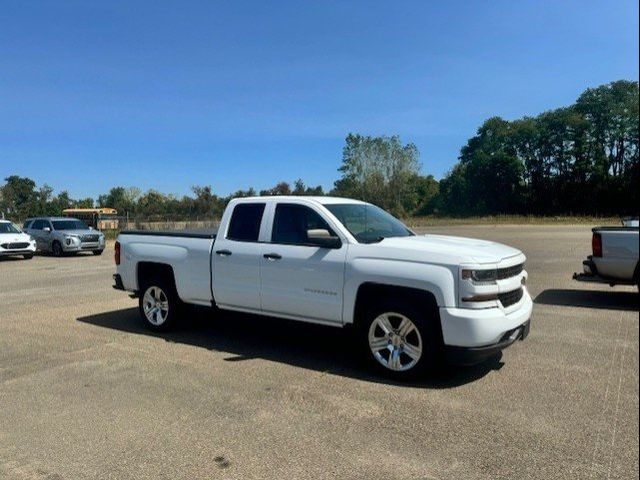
(372, 293)
(636, 274)
(148, 270)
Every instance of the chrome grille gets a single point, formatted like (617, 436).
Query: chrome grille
(90, 238)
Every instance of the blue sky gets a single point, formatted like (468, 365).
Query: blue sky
(167, 95)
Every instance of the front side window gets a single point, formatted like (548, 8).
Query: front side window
(38, 225)
(368, 223)
(6, 227)
(292, 222)
(245, 222)
(69, 225)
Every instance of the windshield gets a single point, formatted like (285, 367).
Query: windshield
(69, 225)
(368, 223)
(6, 227)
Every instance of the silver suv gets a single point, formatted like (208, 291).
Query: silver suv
(60, 235)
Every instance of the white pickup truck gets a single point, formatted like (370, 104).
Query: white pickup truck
(614, 256)
(414, 300)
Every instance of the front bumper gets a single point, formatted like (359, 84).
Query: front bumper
(82, 247)
(475, 355)
(7, 252)
(474, 328)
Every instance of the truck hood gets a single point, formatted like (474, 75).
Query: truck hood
(449, 249)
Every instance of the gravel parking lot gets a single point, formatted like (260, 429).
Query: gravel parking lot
(87, 392)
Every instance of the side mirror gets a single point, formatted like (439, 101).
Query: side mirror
(323, 239)
(46, 229)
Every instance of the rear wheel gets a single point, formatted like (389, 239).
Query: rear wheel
(402, 341)
(159, 304)
(56, 249)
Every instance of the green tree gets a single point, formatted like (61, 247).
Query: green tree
(453, 195)
(421, 194)
(19, 197)
(152, 204)
(299, 188)
(206, 204)
(84, 203)
(494, 172)
(123, 199)
(282, 188)
(377, 170)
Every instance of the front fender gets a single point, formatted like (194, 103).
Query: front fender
(436, 279)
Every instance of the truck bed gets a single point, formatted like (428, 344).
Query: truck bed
(186, 252)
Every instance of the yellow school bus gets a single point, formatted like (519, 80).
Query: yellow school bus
(98, 218)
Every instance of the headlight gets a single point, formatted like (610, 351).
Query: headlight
(69, 239)
(480, 276)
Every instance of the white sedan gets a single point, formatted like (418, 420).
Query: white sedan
(14, 241)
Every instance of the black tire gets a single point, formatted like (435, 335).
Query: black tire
(98, 252)
(28, 256)
(426, 321)
(56, 249)
(167, 294)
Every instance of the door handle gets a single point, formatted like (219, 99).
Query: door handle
(272, 256)
(223, 253)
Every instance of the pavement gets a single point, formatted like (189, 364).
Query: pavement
(86, 392)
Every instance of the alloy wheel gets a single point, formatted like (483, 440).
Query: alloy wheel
(155, 305)
(395, 341)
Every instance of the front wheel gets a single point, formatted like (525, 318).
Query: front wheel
(56, 249)
(98, 252)
(28, 256)
(159, 305)
(401, 341)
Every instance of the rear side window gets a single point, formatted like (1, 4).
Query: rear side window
(292, 222)
(245, 222)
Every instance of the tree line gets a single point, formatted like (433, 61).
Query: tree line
(20, 198)
(580, 159)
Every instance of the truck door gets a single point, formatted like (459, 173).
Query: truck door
(300, 279)
(236, 259)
